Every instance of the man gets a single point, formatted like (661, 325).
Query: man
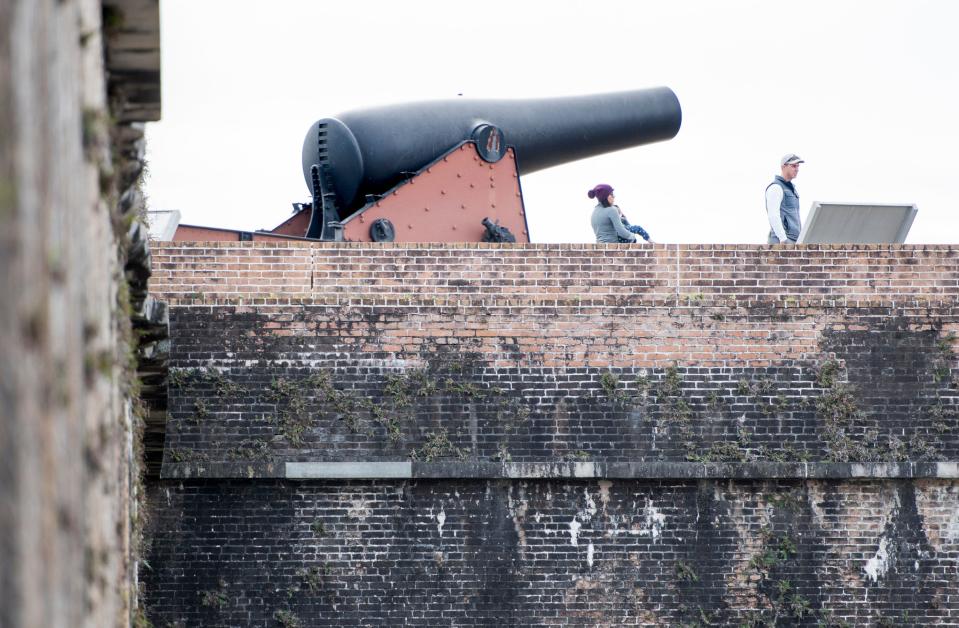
(782, 202)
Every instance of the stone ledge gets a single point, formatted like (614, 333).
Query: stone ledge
(132, 55)
(404, 469)
(349, 470)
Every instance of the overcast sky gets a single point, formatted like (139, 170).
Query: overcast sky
(866, 92)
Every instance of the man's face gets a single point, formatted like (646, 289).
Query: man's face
(790, 171)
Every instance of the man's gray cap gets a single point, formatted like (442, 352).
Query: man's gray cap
(791, 158)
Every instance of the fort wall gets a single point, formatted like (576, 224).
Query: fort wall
(558, 435)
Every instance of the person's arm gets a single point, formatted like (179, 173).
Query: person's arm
(633, 228)
(774, 200)
(638, 230)
(612, 212)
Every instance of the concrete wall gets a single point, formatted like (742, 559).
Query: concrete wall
(558, 435)
(67, 467)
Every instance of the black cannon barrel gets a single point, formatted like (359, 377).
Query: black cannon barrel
(371, 150)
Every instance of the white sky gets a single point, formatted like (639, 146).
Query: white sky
(866, 92)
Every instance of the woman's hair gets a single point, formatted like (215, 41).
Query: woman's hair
(602, 192)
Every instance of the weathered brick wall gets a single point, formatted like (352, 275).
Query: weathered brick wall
(556, 553)
(696, 390)
(506, 354)
(671, 274)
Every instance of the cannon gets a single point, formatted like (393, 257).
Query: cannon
(433, 171)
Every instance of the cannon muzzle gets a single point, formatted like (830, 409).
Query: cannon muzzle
(367, 152)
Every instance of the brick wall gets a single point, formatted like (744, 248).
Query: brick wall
(556, 553)
(679, 275)
(698, 388)
(520, 355)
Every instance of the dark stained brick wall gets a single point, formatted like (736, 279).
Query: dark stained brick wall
(328, 389)
(670, 375)
(547, 553)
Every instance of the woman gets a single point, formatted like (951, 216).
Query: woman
(609, 223)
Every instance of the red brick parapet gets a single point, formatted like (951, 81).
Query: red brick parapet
(684, 275)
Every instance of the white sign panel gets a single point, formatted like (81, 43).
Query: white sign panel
(856, 223)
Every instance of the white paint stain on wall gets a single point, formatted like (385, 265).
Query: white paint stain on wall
(440, 520)
(590, 504)
(612, 530)
(589, 555)
(878, 565)
(654, 523)
(359, 509)
(574, 527)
